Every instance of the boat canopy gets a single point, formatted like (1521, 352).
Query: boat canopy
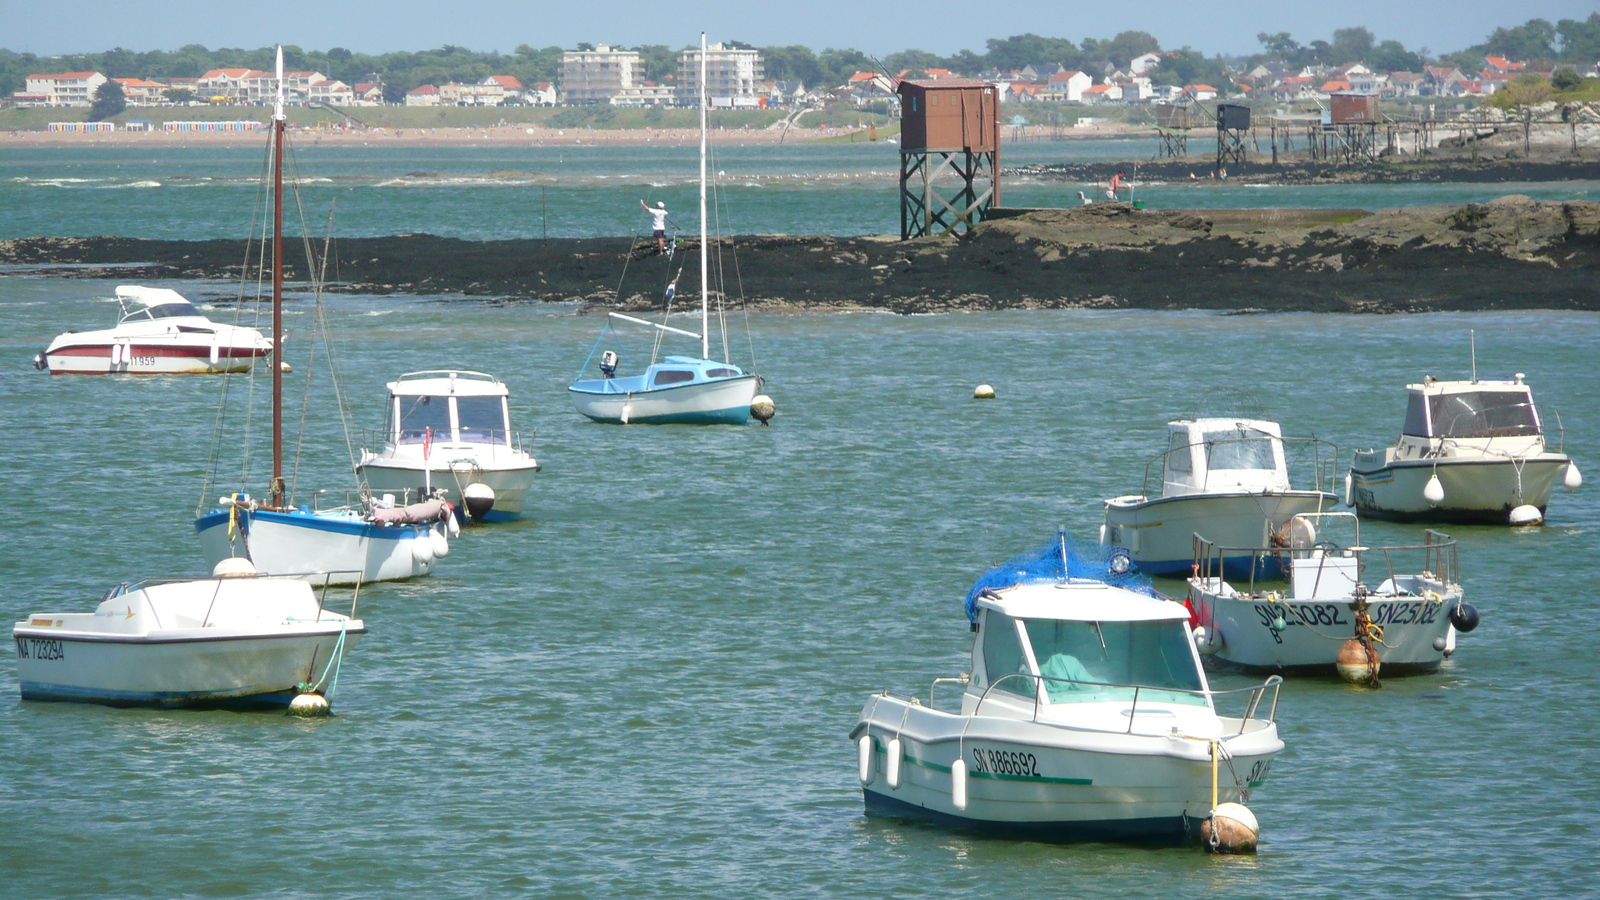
(1466, 409)
(1063, 561)
(1210, 455)
(153, 303)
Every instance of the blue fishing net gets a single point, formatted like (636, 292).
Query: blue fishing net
(1063, 559)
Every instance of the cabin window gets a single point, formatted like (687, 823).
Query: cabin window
(1178, 455)
(481, 419)
(172, 310)
(1484, 414)
(1002, 655)
(1417, 415)
(672, 376)
(1239, 448)
(720, 373)
(1084, 661)
(418, 414)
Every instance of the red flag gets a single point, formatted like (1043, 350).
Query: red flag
(427, 441)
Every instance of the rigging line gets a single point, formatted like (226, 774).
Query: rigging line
(311, 356)
(717, 204)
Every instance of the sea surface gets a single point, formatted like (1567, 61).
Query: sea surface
(644, 688)
(582, 189)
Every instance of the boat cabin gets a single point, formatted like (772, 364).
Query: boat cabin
(143, 304)
(1439, 411)
(448, 407)
(1071, 643)
(1207, 456)
(674, 371)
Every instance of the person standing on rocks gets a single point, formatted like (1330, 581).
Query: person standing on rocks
(1114, 186)
(658, 222)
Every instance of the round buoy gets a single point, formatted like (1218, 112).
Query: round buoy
(309, 705)
(958, 783)
(1232, 828)
(1525, 514)
(440, 544)
(1464, 617)
(1207, 640)
(1572, 479)
(478, 498)
(864, 767)
(891, 769)
(285, 367)
(233, 567)
(983, 392)
(762, 409)
(1356, 663)
(1278, 623)
(1433, 491)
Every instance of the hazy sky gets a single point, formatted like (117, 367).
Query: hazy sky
(48, 27)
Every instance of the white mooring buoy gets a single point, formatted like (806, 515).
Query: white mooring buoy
(983, 392)
(309, 705)
(1572, 479)
(1232, 828)
(1433, 491)
(1525, 514)
(233, 567)
(762, 409)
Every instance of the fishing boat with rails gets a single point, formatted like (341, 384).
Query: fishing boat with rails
(160, 333)
(1327, 619)
(1086, 716)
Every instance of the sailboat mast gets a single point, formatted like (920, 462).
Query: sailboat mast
(277, 291)
(705, 289)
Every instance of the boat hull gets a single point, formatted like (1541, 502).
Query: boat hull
(148, 356)
(174, 669)
(1316, 629)
(722, 402)
(302, 542)
(510, 483)
(1053, 783)
(1482, 491)
(1159, 534)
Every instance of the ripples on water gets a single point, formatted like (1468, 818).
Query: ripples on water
(644, 689)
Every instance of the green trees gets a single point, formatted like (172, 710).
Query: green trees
(108, 101)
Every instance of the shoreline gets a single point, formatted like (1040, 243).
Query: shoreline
(1511, 253)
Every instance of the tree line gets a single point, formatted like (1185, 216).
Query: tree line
(1569, 40)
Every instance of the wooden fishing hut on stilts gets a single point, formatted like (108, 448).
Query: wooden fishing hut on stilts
(949, 138)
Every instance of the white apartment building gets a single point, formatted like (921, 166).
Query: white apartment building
(330, 91)
(590, 77)
(730, 74)
(65, 88)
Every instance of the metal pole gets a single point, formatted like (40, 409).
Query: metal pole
(705, 289)
(277, 292)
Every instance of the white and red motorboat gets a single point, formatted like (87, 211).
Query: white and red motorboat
(160, 333)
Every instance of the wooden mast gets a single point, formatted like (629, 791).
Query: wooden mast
(277, 292)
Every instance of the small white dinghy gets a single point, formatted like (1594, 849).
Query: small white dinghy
(1086, 716)
(234, 642)
(1326, 619)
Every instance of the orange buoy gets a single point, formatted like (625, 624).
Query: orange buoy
(1357, 662)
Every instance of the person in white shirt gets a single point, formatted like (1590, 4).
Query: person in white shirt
(658, 222)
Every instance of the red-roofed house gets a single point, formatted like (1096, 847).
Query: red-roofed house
(1068, 87)
(1201, 91)
(227, 84)
(542, 93)
(1102, 93)
(330, 91)
(140, 92)
(1501, 64)
(425, 95)
(65, 88)
(1334, 86)
(367, 93)
(511, 88)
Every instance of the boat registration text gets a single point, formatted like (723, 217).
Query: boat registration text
(36, 648)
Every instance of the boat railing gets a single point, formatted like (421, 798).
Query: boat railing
(1322, 456)
(1438, 551)
(1251, 696)
(326, 577)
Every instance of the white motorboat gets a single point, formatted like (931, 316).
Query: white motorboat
(1407, 623)
(1470, 451)
(1086, 716)
(220, 642)
(680, 390)
(358, 541)
(160, 333)
(1222, 477)
(449, 435)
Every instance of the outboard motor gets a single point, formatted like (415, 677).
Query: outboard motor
(40, 362)
(608, 363)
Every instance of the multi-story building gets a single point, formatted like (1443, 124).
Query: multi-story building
(65, 88)
(424, 95)
(730, 74)
(330, 91)
(489, 93)
(141, 92)
(591, 77)
(229, 85)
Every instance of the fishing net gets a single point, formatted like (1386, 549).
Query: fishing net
(1063, 559)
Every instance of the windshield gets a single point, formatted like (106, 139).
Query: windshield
(417, 414)
(1484, 414)
(1238, 448)
(164, 311)
(1080, 660)
(482, 419)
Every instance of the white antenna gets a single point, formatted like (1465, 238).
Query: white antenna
(277, 107)
(1472, 338)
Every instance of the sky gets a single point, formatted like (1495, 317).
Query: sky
(51, 27)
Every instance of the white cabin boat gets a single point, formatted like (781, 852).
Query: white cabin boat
(449, 434)
(1409, 620)
(160, 333)
(1086, 716)
(1222, 477)
(1470, 451)
(220, 642)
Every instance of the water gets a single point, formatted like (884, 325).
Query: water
(644, 689)
(583, 190)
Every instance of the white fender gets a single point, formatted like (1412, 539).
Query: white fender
(116, 356)
(1349, 489)
(453, 525)
(892, 767)
(1572, 479)
(440, 544)
(958, 783)
(422, 549)
(864, 767)
(216, 352)
(627, 412)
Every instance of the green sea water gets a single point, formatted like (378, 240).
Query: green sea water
(643, 689)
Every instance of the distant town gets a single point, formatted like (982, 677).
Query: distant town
(1135, 71)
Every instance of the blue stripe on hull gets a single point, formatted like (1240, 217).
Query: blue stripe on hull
(316, 523)
(60, 693)
(737, 415)
(1173, 831)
